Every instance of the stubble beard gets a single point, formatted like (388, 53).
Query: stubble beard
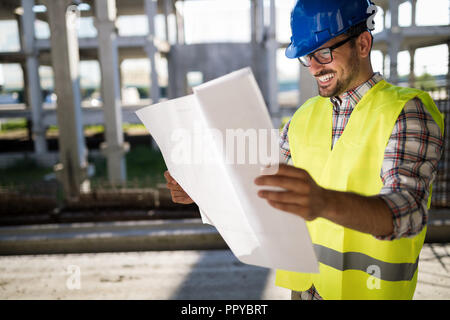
(342, 85)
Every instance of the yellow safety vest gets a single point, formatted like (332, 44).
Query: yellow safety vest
(354, 265)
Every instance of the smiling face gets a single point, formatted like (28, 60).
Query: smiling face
(347, 70)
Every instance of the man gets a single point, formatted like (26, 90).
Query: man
(364, 155)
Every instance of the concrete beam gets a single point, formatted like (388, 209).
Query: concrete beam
(72, 169)
(178, 234)
(384, 4)
(90, 115)
(420, 32)
(114, 147)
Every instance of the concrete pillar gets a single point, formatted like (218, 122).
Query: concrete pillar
(175, 14)
(412, 76)
(180, 25)
(260, 54)
(307, 85)
(114, 147)
(413, 12)
(395, 40)
(448, 72)
(257, 20)
(150, 11)
(31, 78)
(72, 169)
(121, 60)
(383, 66)
(177, 73)
(272, 76)
(167, 10)
(394, 48)
(25, 98)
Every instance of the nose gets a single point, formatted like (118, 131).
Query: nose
(315, 67)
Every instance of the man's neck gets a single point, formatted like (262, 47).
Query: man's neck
(357, 83)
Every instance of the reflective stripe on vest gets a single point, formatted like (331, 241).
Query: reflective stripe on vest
(354, 165)
(360, 261)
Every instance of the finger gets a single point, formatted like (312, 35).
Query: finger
(175, 187)
(179, 194)
(289, 183)
(291, 208)
(284, 197)
(291, 171)
(298, 210)
(169, 178)
(182, 200)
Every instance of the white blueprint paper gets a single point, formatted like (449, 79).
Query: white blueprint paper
(224, 191)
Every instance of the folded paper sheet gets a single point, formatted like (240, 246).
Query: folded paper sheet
(196, 135)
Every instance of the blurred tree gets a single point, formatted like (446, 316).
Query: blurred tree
(426, 82)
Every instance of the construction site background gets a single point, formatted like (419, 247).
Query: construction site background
(104, 199)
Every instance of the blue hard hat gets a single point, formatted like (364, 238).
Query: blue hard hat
(313, 23)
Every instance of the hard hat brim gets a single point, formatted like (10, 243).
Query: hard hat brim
(291, 52)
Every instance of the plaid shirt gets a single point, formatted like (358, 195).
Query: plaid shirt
(409, 166)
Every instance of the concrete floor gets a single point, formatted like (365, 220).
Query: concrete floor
(212, 274)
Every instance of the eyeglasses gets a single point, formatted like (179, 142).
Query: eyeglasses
(323, 55)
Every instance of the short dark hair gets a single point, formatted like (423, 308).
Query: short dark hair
(356, 30)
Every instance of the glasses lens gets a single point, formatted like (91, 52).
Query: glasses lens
(305, 60)
(323, 56)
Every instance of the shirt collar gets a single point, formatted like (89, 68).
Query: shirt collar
(353, 96)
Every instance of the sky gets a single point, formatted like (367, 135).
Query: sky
(229, 20)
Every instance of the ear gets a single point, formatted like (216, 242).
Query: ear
(364, 44)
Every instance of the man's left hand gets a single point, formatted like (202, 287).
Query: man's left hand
(302, 196)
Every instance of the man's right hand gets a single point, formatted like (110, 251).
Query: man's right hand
(177, 193)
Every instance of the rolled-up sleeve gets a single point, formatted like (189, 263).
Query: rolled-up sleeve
(409, 167)
(284, 144)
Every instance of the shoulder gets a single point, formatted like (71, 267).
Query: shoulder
(416, 105)
(415, 119)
